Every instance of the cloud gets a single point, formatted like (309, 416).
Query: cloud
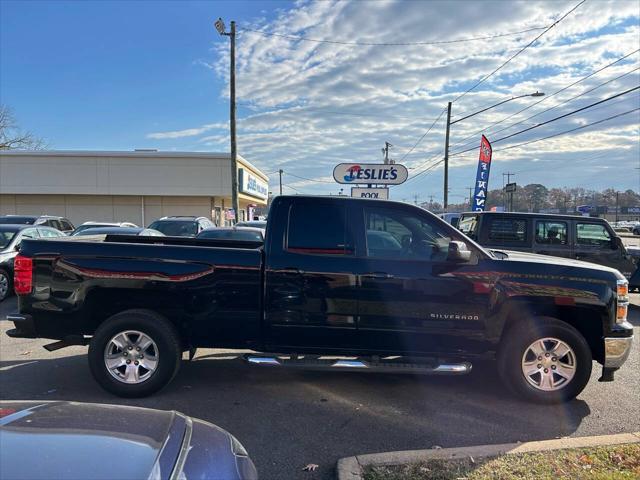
(188, 132)
(305, 106)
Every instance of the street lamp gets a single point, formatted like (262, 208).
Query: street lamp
(446, 138)
(221, 29)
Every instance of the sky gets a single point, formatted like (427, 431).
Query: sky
(325, 82)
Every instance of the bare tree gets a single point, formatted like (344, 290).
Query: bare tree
(12, 137)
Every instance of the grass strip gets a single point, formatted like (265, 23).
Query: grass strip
(615, 462)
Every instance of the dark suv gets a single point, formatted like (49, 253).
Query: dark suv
(583, 238)
(59, 223)
(181, 226)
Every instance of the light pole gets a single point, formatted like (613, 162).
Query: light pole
(219, 24)
(446, 138)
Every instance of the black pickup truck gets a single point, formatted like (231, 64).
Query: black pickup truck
(388, 285)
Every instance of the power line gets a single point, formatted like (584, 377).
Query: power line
(389, 44)
(484, 130)
(424, 135)
(552, 120)
(431, 167)
(310, 179)
(318, 109)
(568, 100)
(519, 52)
(568, 131)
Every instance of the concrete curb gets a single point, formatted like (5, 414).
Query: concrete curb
(352, 468)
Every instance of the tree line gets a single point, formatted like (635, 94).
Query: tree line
(536, 197)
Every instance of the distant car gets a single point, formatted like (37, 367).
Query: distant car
(59, 223)
(145, 232)
(253, 223)
(233, 233)
(636, 230)
(76, 440)
(86, 225)
(10, 238)
(181, 226)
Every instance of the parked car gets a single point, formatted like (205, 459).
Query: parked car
(432, 301)
(149, 232)
(59, 223)
(253, 223)
(181, 226)
(636, 230)
(583, 238)
(73, 440)
(10, 238)
(233, 233)
(86, 225)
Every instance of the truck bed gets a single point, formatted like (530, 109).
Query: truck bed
(79, 284)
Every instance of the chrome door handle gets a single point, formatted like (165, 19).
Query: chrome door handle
(378, 275)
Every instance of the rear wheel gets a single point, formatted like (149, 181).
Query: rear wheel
(545, 360)
(5, 285)
(135, 353)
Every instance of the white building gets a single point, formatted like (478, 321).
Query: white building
(137, 186)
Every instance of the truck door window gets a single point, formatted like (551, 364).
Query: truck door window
(551, 233)
(396, 234)
(508, 230)
(592, 234)
(319, 228)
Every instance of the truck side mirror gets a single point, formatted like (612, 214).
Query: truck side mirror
(458, 252)
(616, 243)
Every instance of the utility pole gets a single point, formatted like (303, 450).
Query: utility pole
(617, 193)
(415, 198)
(219, 24)
(445, 201)
(385, 152)
(471, 189)
(280, 172)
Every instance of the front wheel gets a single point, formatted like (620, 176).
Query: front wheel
(545, 360)
(135, 353)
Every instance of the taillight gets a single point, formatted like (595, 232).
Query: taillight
(22, 275)
(622, 301)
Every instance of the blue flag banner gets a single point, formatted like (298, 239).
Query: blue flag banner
(482, 176)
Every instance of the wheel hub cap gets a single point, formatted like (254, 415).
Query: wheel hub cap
(549, 364)
(131, 357)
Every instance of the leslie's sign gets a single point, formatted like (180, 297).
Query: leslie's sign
(371, 173)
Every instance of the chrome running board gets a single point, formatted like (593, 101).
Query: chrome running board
(396, 365)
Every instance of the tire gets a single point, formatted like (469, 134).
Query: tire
(5, 285)
(566, 376)
(157, 362)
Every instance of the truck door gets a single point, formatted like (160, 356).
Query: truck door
(598, 244)
(551, 237)
(412, 299)
(310, 292)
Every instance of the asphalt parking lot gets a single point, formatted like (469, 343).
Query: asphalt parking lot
(290, 418)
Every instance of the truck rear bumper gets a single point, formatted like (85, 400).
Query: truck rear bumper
(25, 326)
(616, 351)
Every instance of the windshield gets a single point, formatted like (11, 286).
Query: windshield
(15, 220)
(175, 228)
(5, 238)
(248, 235)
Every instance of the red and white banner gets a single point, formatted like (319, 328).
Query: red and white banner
(482, 176)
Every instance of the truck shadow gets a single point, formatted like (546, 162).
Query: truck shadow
(279, 412)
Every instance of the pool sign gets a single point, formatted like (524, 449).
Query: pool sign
(370, 173)
(375, 193)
